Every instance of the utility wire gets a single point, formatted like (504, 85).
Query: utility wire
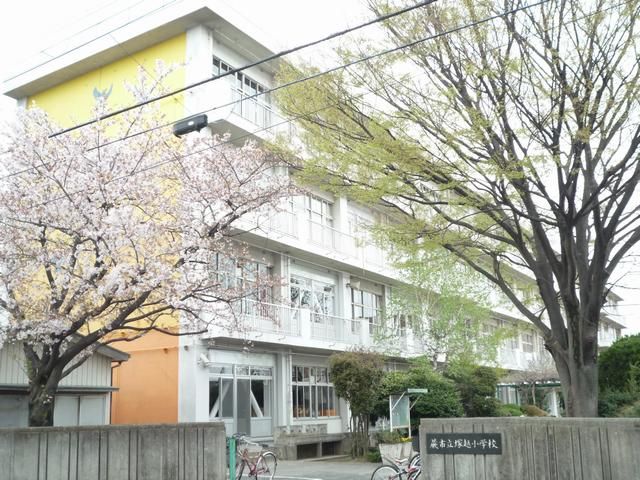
(269, 58)
(61, 41)
(133, 57)
(275, 125)
(331, 70)
(454, 30)
(286, 121)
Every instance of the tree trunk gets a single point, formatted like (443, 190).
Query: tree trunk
(582, 397)
(41, 405)
(579, 387)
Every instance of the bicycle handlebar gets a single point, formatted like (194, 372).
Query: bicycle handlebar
(243, 438)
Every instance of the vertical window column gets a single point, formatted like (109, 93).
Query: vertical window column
(366, 307)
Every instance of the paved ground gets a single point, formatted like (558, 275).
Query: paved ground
(336, 469)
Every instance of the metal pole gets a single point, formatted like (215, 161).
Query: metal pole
(231, 441)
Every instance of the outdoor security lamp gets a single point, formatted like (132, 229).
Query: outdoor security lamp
(191, 124)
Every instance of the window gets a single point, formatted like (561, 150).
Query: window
(257, 381)
(527, 342)
(317, 296)
(541, 347)
(319, 213)
(253, 104)
(399, 323)
(249, 276)
(360, 232)
(488, 329)
(219, 67)
(366, 306)
(312, 393)
(358, 229)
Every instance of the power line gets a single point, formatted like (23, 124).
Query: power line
(267, 128)
(133, 57)
(401, 47)
(330, 70)
(89, 27)
(290, 120)
(269, 58)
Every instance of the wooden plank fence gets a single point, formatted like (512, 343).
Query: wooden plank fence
(185, 451)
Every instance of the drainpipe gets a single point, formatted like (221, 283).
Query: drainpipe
(114, 365)
(288, 387)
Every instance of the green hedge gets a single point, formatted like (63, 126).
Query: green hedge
(615, 363)
(441, 401)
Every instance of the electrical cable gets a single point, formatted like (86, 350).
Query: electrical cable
(85, 29)
(275, 125)
(454, 30)
(233, 71)
(290, 120)
(330, 70)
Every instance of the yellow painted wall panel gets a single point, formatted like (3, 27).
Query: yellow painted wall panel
(73, 101)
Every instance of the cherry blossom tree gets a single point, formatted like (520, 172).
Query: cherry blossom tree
(102, 241)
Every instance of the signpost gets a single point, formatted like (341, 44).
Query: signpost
(400, 408)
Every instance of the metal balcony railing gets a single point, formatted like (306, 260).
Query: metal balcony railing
(268, 317)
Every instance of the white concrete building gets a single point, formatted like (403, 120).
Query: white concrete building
(337, 281)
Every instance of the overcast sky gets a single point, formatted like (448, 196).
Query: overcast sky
(28, 27)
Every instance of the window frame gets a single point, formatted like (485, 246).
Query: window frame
(377, 306)
(257, 109)
(315, 386)
(528, 342)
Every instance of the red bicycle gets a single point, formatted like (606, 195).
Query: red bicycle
(261, 466)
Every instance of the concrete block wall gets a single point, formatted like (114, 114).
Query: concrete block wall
(188, 451)
(539, 448)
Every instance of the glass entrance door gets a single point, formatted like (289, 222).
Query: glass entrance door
(243, 405)
(242, 397)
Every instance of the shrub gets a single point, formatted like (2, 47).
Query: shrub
(632, 410)
(615, 363)
(373, 455)
(441, 401)
(477, 387)
(610, 401)
(510, 410)
(393, 436)
(533, 411)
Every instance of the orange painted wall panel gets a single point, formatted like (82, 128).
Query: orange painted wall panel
(148, 381)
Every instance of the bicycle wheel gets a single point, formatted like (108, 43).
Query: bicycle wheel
(239, 469)
(385, 472)
(416, 461)
(417, 475)
(266, 466)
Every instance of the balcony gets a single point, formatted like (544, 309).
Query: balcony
(297, 326)
(293, 228)
(239, 112)
(268, 317)
(517, 359)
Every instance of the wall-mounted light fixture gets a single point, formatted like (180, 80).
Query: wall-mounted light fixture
(191, 124)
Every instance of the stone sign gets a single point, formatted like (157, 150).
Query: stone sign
(464, 443)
